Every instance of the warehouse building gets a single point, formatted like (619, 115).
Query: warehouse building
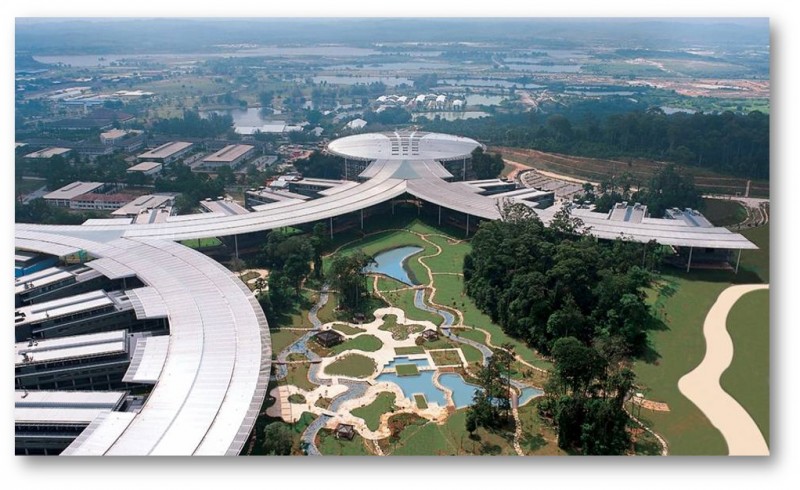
(166, 153)
(230, 156)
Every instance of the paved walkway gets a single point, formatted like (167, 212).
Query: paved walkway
(702, 387)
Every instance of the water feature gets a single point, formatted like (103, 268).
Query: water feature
(392, 263)
(405, 360)
(463, 392)
(477, 99)
(479, 82)
(422, 383)
(545, 68)
(355, 80)
(528, 394)
(672, 110)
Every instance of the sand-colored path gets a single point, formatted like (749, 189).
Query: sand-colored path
(702, 387)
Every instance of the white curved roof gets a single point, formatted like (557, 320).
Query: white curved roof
(216, 370)
(403, 145)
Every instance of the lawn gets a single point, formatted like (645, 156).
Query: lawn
(372, 412)
(404, 351)
(538, 438)
(406, 369)
(756, 261)
(297, 398)
(364, 342)
(747, 378)
(353, 365)
(680, 346)
(399, 332)
(282, 339)
(347, 329)
(471, 354)
(452, 257)
(724, 212)
(298, 376)
(446, 357)
(405, 301)
(421, 438)
(420, 401)
(296, 430)
(330, 445)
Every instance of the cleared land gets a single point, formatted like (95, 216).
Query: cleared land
(724, 212)
(598, 169)
(747, 378)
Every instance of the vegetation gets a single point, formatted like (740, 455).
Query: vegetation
(277, 439)
(420, 401)
(724, 212)
(353, 365)
(448, 357)
(407, 369)
(321, 165)
(486, 165)
(371, 413)
(347, 277)
(192, 125)
(399, 332)
(329, 444)
(296, 398)
(747, 378)
(404, 351)
(730, 143)
(364, 342)
(491, 406)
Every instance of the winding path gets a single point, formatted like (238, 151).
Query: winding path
(702, 386)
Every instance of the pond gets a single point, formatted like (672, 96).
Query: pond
(479, 82)
(463, 392)
(528, 394)
(409, 385)
(476, 99)
(392, 263)
(673, 110)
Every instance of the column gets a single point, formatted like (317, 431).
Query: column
(689, 264)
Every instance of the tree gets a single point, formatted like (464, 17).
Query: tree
(277, 439)
(486, 165)
(347, 276)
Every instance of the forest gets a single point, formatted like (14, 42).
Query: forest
(728, 143)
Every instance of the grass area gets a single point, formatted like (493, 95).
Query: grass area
(371, 413)
(282, 339)
(680, 347)
(756, 261)
(202, 242)
(323, 403)
(296, 398)
(296, 356)
(26, 186)
(405, 301)
(298, 376)
(407, 369)
(450, 292)
(724, 212)
(419, 399)
(364, 342)
(445, 357)
(404, 351)
(414, 436)
(538, 437)
(388, 284)
(330, 445)
(353, 365)
(297, 317)
(249, 275)
(327, 313)
(452, 257)
(399, 332)
(347, 329)
(747, 378)
(471, 354)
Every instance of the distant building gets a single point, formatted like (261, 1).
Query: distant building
(146, 168)
(230, 156)
(124, 139)
(48, 153)
(356, 124)
(63, 197)
(100, 202)
(227, 207)
(166, 153)
(133, 208)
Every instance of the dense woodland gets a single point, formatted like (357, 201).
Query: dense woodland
(727, 143)
(576, 299)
